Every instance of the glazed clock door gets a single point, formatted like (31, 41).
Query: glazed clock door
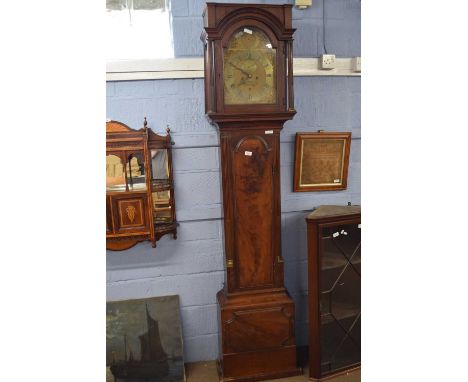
(252, 61)
(249, 68)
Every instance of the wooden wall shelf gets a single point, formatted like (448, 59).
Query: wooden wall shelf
(139, 186)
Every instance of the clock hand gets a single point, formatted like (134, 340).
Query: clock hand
(252, 67)
(242, 70)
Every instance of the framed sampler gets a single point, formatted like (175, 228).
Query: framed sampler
(321, 161)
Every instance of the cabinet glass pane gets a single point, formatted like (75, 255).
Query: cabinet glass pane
(136, 176)
(115, 174)
(340, 297)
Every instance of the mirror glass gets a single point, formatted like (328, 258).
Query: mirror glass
(115, 175)
(162, 207)
(159, 164)
(136, 171)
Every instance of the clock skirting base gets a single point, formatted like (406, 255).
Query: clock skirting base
(257, 336)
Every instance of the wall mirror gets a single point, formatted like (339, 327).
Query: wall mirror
(159, 164)
(115, 174)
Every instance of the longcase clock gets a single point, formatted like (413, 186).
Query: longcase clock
(249, 96)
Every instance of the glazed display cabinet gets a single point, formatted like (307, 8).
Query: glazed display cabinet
(334, 255)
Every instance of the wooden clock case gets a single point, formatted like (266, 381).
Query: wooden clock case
(256, 313)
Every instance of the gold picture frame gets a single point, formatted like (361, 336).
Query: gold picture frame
(321, 161)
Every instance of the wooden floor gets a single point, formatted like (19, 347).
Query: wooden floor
(206, 372)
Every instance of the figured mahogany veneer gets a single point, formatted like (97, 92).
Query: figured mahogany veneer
(257, 340)
(256, 314)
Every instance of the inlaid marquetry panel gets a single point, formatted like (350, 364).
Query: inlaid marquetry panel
(129, 213)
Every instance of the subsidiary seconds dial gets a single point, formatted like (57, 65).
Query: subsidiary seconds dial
(249, 69)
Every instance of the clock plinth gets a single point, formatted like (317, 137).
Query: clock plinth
(249, 96)
(257, 340)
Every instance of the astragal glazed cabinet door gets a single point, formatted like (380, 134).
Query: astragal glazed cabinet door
(334, 248)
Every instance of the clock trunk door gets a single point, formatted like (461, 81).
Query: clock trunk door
(253, 163)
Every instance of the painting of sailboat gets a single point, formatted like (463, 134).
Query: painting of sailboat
(144, 341)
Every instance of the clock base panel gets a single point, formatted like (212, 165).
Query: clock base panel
(257, 336)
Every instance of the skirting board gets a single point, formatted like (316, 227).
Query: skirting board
(171, 68)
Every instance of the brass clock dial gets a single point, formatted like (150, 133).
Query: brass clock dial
(249, 69)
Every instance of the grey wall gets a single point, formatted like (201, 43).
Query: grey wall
(193, 266)
(342, 27)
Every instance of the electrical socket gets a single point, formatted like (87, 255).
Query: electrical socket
(303, 4)
(327, 61)
(357, 64)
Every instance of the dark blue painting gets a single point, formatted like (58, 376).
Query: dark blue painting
(144, 341)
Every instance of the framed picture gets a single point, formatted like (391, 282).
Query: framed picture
(321, 161)
(144, 340)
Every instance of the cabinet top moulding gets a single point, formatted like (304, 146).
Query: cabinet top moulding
(331, 212)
